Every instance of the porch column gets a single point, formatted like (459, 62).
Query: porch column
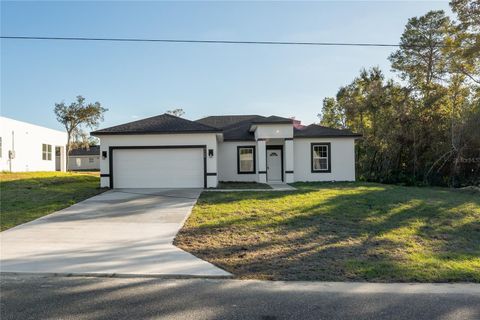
(289, 174)
(261, 161)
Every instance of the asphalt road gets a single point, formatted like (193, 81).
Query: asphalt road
(44, 297)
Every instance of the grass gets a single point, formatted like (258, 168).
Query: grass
(30, 195)
(339, 232)
(242, 185)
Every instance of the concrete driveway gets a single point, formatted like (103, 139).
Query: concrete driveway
(123, 232)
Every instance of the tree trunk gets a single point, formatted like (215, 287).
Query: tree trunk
(414, 156)
(372, 164)
(67, 153)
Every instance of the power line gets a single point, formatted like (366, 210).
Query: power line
(344, 44)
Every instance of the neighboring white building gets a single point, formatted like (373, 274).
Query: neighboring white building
(167, 152)
(84, 159)
(28, 147)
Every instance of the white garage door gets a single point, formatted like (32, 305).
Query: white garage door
(158, 168)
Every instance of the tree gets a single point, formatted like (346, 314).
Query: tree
(420, 59)
(463, 41)
(176, 112)
(331, 115)
(77, 115)
(424, 129)
(468, 12)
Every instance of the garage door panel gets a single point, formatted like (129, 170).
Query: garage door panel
(158, 168)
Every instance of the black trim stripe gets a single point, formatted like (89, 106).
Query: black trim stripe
(104, 175)
(262, 172)
(289, 171)
(288, 139)
(211, 173)
(204, 147)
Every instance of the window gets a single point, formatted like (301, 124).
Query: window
(246, 159)
(321, 157)
(90, 160)
(46, 151)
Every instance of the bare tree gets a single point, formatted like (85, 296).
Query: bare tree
(77, 115)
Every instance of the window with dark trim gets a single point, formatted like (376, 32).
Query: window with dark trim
(246, 159)
(46, 152)
(321, 161)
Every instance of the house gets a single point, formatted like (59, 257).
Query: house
(84, 159)
(28, 147)
(171, 152)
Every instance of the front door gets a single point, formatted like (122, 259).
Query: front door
(274, 165)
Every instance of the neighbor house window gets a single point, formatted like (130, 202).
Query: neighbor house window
(246, 159)
(46, 151)
(321, 157)
(90, 160)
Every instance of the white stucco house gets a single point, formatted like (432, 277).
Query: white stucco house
(28, 147)
(84, 159)
(167, 151)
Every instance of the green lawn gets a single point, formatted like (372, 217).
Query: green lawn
(29, 195)
(338, 232)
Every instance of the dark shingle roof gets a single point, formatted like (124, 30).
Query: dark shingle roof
(237, 127)
(239, 131)
(234, 127)
(91, 151)
(272, 119)
(317, 131)
(225, 121)
(164, 123)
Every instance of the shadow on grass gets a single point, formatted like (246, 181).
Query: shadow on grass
(344, 231)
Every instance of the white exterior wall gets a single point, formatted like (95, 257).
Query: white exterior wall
(262, 161)
(342, 160)
(227, 161)
(26, 141)
(297, 157)
(289, 163)
(208, 139)
(274, 131)
(83, 162)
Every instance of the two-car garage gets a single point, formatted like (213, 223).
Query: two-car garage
(158, 167)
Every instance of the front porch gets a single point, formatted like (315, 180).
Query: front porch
(275, 160)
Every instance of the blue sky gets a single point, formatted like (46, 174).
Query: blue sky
(136, 80)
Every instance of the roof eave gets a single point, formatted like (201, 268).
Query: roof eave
(272, 122)
(95, 133)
